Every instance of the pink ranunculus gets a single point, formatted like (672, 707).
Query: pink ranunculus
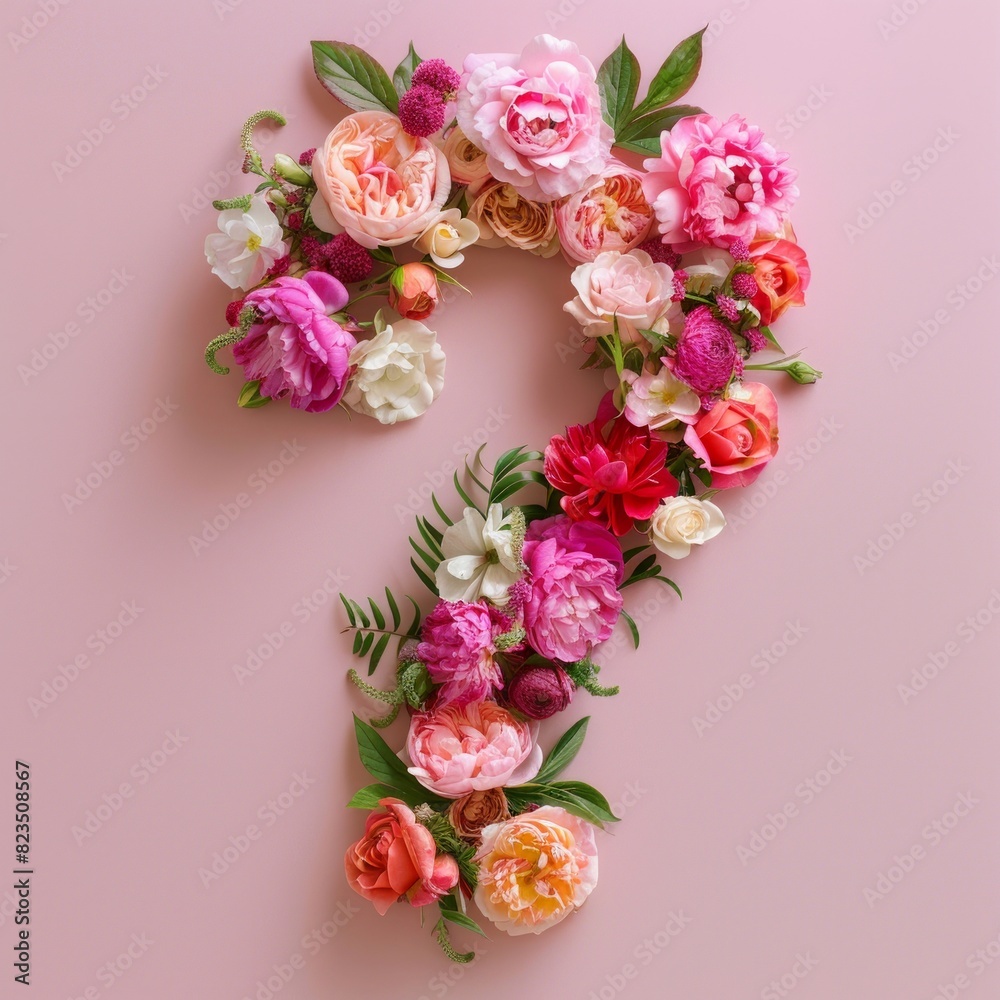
(612, 214)
(457, 649)
(537, 116)
(575, 568)
(738, 436)
(295, 348)
(383, 186)
(397, 857)
(539, 692)
(706, 358)
(717, 181)
(628, 287)
(457, 749)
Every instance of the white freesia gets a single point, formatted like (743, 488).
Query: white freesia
(681, 522)
(399, 373)
(247, 244)
(447, 237)
(478, 558)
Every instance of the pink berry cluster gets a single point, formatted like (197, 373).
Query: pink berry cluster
(423, 107)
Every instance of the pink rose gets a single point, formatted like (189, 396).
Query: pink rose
(627, 286)
(738, 436)
(459, 749)
(466, 161)
(717, 181)
(457, 649)
(295, 348)
(383, 186)
(782, 272)
(613, 214)
(575, 568)
(537, 116)
(397, 857)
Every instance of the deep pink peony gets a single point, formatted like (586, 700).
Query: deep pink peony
(458, 650)
(575, 568)
(706, 358)
(537, 116)
(610, 477)
(296, 349)
(717, 181)
(459, 749)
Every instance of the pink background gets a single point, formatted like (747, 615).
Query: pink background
(858, 452)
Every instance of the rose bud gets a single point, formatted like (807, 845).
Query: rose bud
(540, 692)
(413, 291)
(474, 812)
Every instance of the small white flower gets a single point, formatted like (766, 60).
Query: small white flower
(247, 244)
(447, 237)
(400, 372)
(681, 522)
(706, 269)
(478, 560)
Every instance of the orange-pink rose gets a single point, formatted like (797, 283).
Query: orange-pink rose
(383, 186)
(535, 869)
(397, 857)
(416, 294)
(738, 436)
(782, 272)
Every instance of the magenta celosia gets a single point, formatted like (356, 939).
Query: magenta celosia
(437, 74)
(421, 111)
(706, 357)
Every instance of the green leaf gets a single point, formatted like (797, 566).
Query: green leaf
(354, 77)
(644, 147)
(574, 796)
(459, 918)
(377, 652)
(424, 578)
(653, 125)
(393, 608)
(618, 82)
(377, 614)
(368, 797)
(250, 397)
(562, 754)
(632, 627)
(350, 611)
(404, 71)
(766, 330)
(381, 763)
(675, 77)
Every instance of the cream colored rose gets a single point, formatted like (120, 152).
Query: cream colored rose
(467, 160)
(504, 217)
(681, 522)
(447, 237)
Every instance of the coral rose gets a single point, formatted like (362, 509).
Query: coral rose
(782, 271)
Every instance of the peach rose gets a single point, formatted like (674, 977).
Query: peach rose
(465, 159)
(738, 436)
(397, 857)
(459, 749)
(383, 186)
(535, 869)
(416, 294)
(472, 813)
(613, 214)
(782, 272)
(504, 217)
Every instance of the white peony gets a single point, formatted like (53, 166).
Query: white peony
(247, 244)
(478, 559)
(681, 522)
(399, 373)
(447, 237)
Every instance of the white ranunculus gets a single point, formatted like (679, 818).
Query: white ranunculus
(399, 373)
(247, 244)
(681, 522)
(447, 237)
(478, 559)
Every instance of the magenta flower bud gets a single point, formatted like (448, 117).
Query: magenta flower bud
(540, 692)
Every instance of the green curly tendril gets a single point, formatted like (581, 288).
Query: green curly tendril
(246, 136)
(247, 318)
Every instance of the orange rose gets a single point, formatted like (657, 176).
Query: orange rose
(782, 272)
(413, 292)
(472, 813)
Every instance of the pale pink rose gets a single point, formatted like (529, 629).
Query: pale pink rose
(459, 749)
(466, 160)
(538, 117)
(383, 186)
(717, 181)
(613, 214)
(535, 869)
(629, 286)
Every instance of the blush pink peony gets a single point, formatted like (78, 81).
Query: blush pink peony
(717, 181)
(459, 749)
(537, 116)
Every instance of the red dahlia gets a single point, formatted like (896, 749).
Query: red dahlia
(613, 477)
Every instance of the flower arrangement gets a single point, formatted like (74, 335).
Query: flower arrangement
(677, 227)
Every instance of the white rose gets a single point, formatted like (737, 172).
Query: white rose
(681, 522)
(447, 237)
(400, 372)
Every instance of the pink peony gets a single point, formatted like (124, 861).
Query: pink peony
(397, 857)
(459, 749)
(458, 650)
(575, 568)
(537, 116)
(717, 181)
(540, 692)
(381, 185)
(738, 436)
(612, 214)
(295, 348)
(706, 357)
